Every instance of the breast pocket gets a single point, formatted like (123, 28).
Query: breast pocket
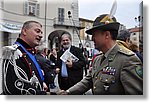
(107, 75)
(104, 78)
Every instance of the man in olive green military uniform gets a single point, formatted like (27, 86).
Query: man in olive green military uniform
(117, 70)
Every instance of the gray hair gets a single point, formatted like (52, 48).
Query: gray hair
(66, 34)
(123, 35)
(27, 24)
(40, 48)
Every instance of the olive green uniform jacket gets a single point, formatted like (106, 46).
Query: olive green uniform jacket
(120, 73)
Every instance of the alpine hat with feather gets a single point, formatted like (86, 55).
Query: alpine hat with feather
(104, 22)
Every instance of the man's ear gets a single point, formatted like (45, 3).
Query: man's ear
(24, 32)
(107, 34)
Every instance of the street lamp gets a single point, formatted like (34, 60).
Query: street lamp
(139, 20)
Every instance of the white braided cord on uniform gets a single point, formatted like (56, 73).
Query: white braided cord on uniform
(17, 70)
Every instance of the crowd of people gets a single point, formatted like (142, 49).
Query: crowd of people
(30, 69)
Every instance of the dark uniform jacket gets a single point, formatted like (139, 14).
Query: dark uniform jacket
(120, 73)
(75, 74)
(49, 73)
(12, 84)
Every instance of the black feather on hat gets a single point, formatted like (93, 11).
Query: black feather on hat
(104, 22)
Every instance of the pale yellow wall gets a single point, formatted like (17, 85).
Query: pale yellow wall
(17, 16)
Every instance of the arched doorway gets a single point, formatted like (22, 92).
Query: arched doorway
(54, 39)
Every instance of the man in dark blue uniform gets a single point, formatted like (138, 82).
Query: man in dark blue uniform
(21, 73)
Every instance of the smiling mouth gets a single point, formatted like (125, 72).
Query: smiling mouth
(38, 39)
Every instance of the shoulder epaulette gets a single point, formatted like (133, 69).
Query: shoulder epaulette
(10, 48)
(126, 51)
(9, 51)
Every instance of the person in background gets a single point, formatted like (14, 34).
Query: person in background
(46, 66)
(141, 49)
(45, 52)
(95, 53)
(123, 38)
(135, 49)
(86, 57)
(22, 73)
(53, 58)
(53, 55)
(69, 72)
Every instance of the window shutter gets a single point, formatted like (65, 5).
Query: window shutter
(26, 8)
(37, 9)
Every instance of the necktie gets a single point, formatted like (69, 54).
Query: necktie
(64, 70)
(103, 58)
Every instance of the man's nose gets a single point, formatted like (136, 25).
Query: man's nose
(65, 41)
(41, 36)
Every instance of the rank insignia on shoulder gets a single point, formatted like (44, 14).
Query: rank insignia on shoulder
(126, 51)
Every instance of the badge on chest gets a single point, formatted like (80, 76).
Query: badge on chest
(107, 77)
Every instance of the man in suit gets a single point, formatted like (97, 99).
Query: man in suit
(117, 70)
(70, 72)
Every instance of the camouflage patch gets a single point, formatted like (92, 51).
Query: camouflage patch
(139, 72)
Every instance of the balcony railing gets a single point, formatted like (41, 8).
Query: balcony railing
(68, 23)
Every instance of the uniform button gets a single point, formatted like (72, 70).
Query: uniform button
(106, 79)
(29, 63)
(94, 87)
(95, 77)
(33, 52)
(25, 56)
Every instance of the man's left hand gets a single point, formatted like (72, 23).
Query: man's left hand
(45, 88)
(69, 63)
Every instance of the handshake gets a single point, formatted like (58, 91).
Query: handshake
(60, 92)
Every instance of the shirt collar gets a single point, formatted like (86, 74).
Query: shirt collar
(26, 46)
(23, 43)
(108, 52)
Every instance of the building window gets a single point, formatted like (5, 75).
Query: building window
(134, 33)
(5, 39)
(2, 4)
(61, 14)
(31, 8)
